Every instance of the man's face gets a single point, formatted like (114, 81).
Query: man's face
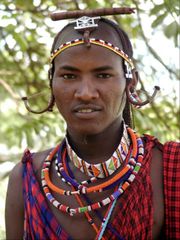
(89, 88)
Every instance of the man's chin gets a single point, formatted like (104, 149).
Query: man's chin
(87, 130)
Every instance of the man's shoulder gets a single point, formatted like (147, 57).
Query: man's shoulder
(38, 158)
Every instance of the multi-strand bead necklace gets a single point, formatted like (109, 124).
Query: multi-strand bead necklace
(123, 178)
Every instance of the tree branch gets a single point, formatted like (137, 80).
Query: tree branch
(154, 108)
(151, 50)
(9, 90)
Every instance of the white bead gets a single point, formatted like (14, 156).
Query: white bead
(44, 183)
(56, 203)
(106, 201)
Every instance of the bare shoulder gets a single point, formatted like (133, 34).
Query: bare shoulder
(16, 171)
(157, 169)
(15, 180)
(38, 159)
(157, 157)
(15, 177)
(157, 187)
(14, 204)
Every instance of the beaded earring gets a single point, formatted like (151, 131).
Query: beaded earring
(132, 94)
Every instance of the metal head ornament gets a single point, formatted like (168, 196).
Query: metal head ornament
(86, 25)
(85, 22)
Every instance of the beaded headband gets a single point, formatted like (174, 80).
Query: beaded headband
(98, 42)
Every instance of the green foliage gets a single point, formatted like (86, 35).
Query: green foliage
(162, 12)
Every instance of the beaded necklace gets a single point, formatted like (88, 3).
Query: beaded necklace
(106, 168)
(83, 189)
(62, 165)
(90, 207)
(104, 223)
(67, 178)
(61, 169)
(133, 167)
(87, 215)
(105, 220)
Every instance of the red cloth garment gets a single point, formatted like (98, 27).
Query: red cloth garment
(133, 218)
(171, 157)
(39, 222)
(133, 215)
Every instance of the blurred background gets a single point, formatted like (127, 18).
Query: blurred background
(26, 35)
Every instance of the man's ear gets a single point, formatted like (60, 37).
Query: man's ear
(132, 82)
(132, 94)
(135, 78)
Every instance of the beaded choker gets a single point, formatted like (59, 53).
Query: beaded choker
(106, 168)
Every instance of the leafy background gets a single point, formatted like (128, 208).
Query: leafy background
(26, 34)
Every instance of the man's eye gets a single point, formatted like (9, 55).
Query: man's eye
(104, 75)
(68, 76)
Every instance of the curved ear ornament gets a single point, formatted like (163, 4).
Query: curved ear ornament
(132, 94)
(49, 108)
(50, 75)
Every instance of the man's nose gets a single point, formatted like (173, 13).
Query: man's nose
(86, 90)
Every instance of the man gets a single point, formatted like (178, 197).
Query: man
(103, 181)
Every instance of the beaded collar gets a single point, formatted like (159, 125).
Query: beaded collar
(106, 168)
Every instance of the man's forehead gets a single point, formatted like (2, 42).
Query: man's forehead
(104, 31)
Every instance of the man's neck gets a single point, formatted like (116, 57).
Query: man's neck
(99, 147)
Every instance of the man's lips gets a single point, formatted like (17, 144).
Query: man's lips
(89, 108)
(86, 112)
